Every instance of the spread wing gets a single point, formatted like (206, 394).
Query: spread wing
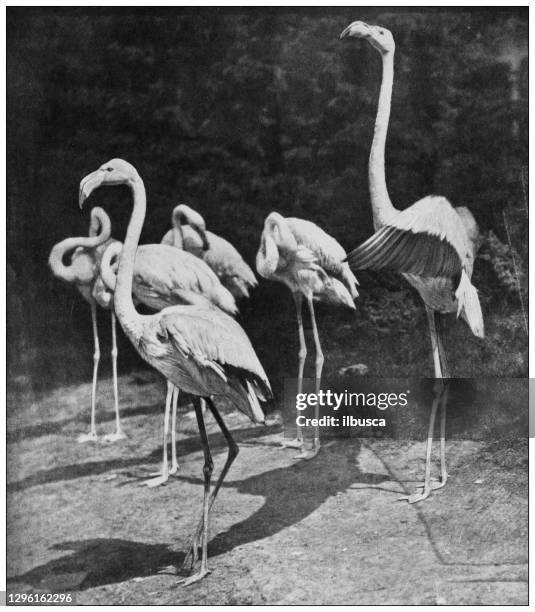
(426, 239)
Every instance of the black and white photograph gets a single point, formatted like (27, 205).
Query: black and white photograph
(266, 305)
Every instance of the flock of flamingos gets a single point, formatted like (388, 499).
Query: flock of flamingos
(194, 277)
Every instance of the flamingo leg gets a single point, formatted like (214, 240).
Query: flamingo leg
(174, 460)
(119, 434)
(319, 369)
(92, 435)
(233, 450)
(439, 388)
(298, 297)
(163, 476)
(207, 472)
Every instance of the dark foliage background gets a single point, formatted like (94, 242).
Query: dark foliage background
(240, 112)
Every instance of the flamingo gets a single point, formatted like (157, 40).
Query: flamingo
(83, 272)
(311, 264)
(431, 243)
(189, 233)
(165, 276)
(198, 348)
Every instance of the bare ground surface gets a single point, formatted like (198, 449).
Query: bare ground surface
(284, 530)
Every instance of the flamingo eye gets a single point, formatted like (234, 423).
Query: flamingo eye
(110, 169)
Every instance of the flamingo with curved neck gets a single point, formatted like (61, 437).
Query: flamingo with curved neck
(431, 243)
(189, 233)
(83, 272)
(310, 262)
(198, 348)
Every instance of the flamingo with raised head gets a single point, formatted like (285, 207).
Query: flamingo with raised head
(431, 243)
(189, 233)
(83, 272)
(198, 348)
(310, 262)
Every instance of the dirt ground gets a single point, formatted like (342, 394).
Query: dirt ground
(284, 530)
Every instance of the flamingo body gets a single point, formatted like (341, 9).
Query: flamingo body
(220, 255)
(306, 259)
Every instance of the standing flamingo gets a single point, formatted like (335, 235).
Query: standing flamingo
(83, 272)
(198, 348)
(189, 233)
(431, 243)
(165, 276)
(311, 263)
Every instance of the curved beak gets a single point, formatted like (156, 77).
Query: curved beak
(358, 29)
(204, 238)
(88, 184)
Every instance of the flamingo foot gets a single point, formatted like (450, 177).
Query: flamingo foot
(195, 578)
(161, 479)
(435, 483)
(295, 443)
(308, 454)
(88, 437)
(416, 497)
(174, 468)
(114, 437)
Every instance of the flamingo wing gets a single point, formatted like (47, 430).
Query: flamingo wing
(426, 239)
(328, 252)
(215, 341)
(226, 261)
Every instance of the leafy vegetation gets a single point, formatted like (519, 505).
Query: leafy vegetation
(242, 111)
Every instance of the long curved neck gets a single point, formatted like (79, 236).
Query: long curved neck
(100, 224)
(107, 273)
(382, 207)
(60, 250)
(130, 319)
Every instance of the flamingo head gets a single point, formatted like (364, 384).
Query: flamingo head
(377, 36)
(114, 172)
(184, 215)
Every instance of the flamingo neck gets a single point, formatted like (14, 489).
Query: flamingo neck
(100, 223)
(131, 321)
(382, 207)
(60, 250)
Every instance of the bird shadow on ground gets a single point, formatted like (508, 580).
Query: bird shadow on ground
(98, 562)
(56, 427)
(292, 493)
(94, 468)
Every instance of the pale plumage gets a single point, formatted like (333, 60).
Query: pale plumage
(84, 272)
(182, 343)
(311, 264)
(431, 243)
(189, 233)
(165, 276)
(306, 259)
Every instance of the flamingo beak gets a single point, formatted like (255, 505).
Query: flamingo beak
(357, 29)
(204, 238)
(88, 184)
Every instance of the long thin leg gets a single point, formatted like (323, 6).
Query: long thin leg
(207, 472)
(119, 434)
(92, 435)
(233, 451)
(438, 390)
(174, 460)
(163, 476)
(443, 469)
(319, 369)
(298, 298)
